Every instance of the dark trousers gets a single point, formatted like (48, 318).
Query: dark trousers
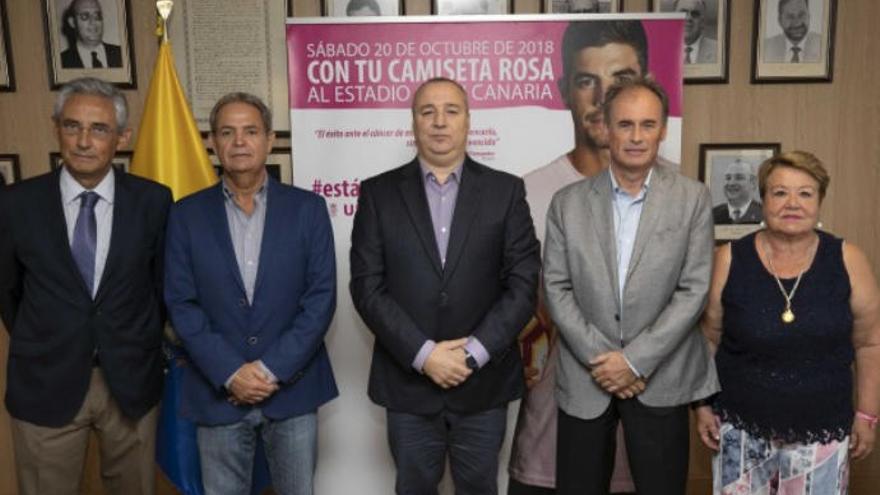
(656, 444)
(419, 445)
(516, 488)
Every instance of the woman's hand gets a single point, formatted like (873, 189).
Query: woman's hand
(708, 426)
(861, 441)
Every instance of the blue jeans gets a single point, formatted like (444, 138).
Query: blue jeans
(227, 454)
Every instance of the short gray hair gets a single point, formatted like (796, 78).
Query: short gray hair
(240, 97)
(94, 87)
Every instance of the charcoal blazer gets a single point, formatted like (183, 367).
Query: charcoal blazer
(655, 324)
(486, 289)
(284, 326)
(55, 327)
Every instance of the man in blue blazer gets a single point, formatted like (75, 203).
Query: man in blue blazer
(444, 271)
(251, 290)
(81, 251)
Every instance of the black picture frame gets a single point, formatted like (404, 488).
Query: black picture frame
(715, 161)
(64, 61)
(7, 70)
(712, 64)
(771, 61)
(10, 169)
(121, 161)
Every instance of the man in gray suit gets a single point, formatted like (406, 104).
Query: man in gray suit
(698, 47)
(627, 262)
(797, 43)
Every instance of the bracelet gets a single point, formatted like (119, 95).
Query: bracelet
(870, 418)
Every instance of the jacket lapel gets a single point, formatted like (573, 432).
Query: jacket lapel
(122, 211)
(273, 223)
(413, 192)
(467, 207)
(601, 216)
(215, 212)
(651, 213)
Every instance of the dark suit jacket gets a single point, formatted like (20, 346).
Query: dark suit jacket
(487, 288)
(54, 324)
(293, 303)
(753, 214)
(70, 57)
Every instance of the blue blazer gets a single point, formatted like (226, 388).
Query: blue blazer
(293, 303)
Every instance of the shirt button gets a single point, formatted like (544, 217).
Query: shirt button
(252, 340)
(443, 230)
(250, 263)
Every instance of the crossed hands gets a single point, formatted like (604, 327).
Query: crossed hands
(611, 371)
(446, 364)
(250, 385)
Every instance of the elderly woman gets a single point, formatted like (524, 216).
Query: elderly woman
(790, 308)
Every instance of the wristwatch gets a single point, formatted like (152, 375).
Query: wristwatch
(471, 361)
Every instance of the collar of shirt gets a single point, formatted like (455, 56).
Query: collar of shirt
(85, 54)
(695, 49)
(71, 189)
(789, 44)
(615, 187)
(229, 195)
(428, 175)
(742, 209)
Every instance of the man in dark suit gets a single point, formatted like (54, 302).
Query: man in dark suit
(740, 185)
(81, 252)
(444, 269)
(251, 289)
(83, 23)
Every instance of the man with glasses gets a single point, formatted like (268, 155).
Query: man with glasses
(83, 25)
(80, 295)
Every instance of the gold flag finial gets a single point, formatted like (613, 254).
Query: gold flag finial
(164, 7)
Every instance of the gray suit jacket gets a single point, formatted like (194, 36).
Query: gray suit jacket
(774, 49)
(666, 288)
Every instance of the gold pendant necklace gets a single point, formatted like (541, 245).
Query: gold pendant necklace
(787, 315)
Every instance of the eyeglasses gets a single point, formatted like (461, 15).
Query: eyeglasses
(97, 131)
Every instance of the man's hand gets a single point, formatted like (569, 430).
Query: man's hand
(446, 364)
(611, 372)
(633, 390)
(250, 385)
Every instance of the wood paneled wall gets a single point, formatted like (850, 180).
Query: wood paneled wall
(839, 122)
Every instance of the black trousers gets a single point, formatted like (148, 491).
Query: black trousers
(420, 444)
(656, 443)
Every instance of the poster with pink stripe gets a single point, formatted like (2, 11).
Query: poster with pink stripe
(351, 83)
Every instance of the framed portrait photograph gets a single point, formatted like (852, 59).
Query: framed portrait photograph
(793, 41)
(121, 162)
(706, 38)
(361, 8)
(582, 6)
(730, 170)
(10, 170)
(89, 38)
(470, 7)
(278, 164)
(7, 75)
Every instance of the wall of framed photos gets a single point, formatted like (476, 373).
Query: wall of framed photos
(838, 120)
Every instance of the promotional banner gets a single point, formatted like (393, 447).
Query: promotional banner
(351, 86)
